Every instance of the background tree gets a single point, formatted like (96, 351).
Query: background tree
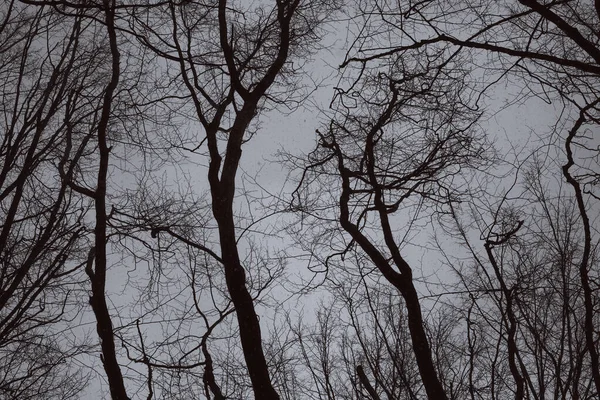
(529, 280)
(49, 89)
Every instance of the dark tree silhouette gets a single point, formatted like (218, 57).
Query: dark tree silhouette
(452, 262)
(406, 128)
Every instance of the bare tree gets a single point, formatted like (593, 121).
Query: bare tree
(233, 62)
(400, 140)
(527, 277)
(404, 133)
(49, 73)
(100, 88)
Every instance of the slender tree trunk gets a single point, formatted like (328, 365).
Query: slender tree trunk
(104, 325)
(587, 246)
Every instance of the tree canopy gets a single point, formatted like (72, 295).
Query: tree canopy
(299, 199)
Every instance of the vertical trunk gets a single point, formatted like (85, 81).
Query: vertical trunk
(511, 325)
(420, 344)
(587, 248)
(223, 192)
(98, 276)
